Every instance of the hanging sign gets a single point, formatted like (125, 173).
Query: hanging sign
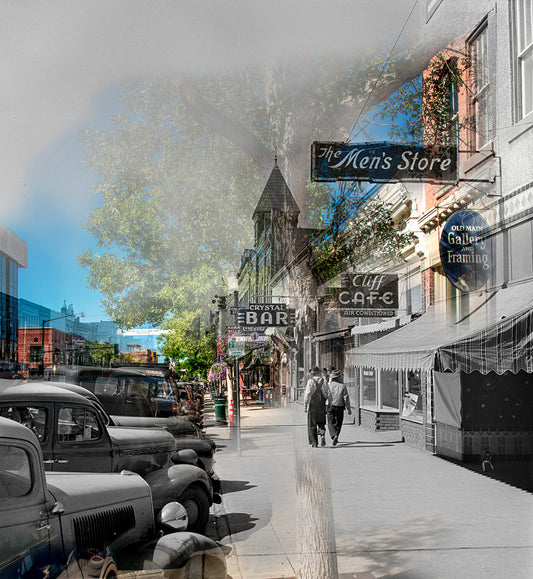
(368, 295)
(258, 316)
(466, 250)
(382, 162)
(236, 347)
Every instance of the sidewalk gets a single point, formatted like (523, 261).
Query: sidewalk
(371, 507)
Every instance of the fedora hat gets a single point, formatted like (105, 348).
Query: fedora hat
(335, 374)
(316, 370)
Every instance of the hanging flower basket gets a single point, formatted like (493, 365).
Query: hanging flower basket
(217, 372)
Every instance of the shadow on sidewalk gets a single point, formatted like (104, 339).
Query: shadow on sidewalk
(517, 473)
(234, 486)
(222, 526)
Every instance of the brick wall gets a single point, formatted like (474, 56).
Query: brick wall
(376, 420)
(413, 433)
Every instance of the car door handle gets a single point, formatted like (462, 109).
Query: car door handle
(61, 461)
(43, 527)
(49, 461)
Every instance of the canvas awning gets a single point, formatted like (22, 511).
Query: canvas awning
(496, 336)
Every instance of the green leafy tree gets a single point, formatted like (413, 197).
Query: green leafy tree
(191, 341)
(358, 229)
(102, 353)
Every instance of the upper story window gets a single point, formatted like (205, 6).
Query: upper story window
(523, 55)
(481, 103)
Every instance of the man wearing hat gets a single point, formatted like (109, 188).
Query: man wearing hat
(316, 395)
(338, 400)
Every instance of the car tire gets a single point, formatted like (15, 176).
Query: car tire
(196, 503)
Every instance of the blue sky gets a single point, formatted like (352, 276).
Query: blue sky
(59, 184)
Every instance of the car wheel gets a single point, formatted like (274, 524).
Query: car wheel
(196, 503)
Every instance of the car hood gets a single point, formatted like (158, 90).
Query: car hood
(141, 439)
(178, 426)
(143, 421)
(80, 491)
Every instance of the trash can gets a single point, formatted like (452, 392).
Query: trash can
(269, 395)
(220, 409)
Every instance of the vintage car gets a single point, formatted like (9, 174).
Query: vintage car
(127, 391)
(187, 434)
(72, 525)
(74, 438)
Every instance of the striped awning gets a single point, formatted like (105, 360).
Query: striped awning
(496, 336)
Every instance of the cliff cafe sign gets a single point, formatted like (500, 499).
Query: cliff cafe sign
(366, 295)
(382, 162)
(466, 250)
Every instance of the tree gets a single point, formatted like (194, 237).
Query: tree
(101, 353)
(191, 342)
(182, 172)
(358, 229)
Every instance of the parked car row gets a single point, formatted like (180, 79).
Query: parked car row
(75, 434)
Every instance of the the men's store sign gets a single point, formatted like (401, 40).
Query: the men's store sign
(369, 295)
(466, 250)
(382, 162)
(258, 316)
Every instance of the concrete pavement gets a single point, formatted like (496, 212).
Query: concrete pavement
(371, 507)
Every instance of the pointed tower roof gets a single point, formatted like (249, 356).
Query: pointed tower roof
(276, 195)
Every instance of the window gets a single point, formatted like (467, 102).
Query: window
(380, 389)
(481, 104)
(523, 55)
(36, 354)
(77, 425)
(412, 395)
(33, 417)
(369, 387)
(15, 472)
(389, 389)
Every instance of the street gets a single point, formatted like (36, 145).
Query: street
(370, 508)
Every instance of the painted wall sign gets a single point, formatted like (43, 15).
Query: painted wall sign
(466, 250)
(366, 295)
(382, 162)
(265, 315)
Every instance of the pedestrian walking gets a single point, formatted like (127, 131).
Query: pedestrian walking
(338, 401)
(316, 395)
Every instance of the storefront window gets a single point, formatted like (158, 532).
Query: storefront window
(390, 390)
(412, 395)
(369, 387)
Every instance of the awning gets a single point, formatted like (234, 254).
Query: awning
(496, 336)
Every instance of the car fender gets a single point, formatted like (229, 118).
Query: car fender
(168, 484)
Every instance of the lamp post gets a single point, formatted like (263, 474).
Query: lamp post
(82, 315)
(233, 285)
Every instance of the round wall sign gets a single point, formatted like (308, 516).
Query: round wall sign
(466, 250)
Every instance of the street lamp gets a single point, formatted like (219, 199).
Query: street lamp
(233, 285)
(81, 315)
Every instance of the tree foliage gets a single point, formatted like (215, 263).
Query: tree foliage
(182, 170)
(358, 230)
(191, 342)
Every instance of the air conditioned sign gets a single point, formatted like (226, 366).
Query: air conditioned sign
(265, 315)
(466, 250)
(382, 162)
(368, 295)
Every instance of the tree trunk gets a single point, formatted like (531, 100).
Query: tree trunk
(315, 527)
